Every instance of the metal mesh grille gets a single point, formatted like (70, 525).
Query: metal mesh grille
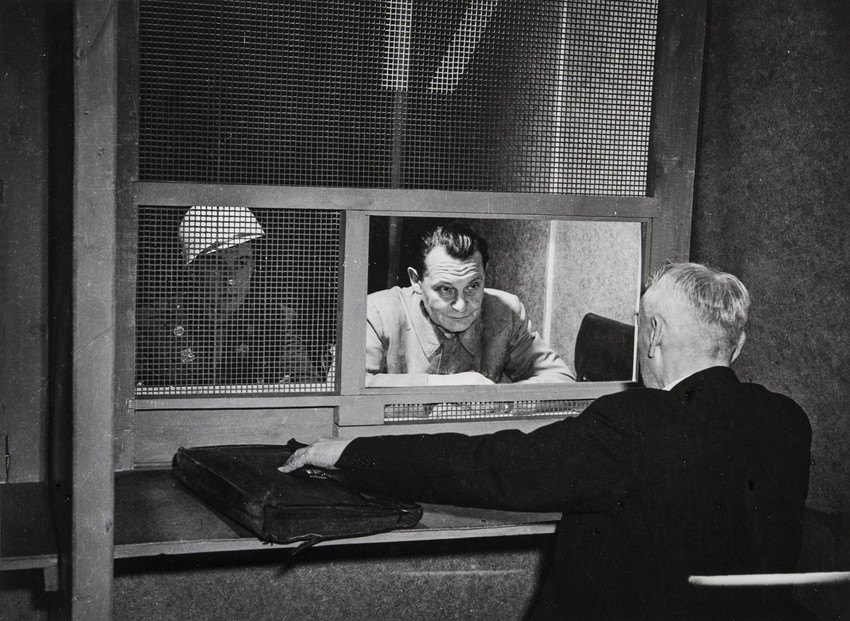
(481, 410)
(232, 300)
(530, 96)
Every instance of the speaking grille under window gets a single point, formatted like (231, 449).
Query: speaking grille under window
(502, 95)
(482, 410)
(235, 300)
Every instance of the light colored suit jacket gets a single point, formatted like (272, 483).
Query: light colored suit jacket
(403, 345)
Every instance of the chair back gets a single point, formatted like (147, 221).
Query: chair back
(604, 349)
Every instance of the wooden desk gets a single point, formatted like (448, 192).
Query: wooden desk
(155, 515)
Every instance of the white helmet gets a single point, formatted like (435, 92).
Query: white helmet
(205, 230)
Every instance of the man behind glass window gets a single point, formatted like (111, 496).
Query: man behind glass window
(446, 328)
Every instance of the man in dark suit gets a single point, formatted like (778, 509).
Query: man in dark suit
(698, 473)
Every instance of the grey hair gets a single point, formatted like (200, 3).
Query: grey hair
(719, 299)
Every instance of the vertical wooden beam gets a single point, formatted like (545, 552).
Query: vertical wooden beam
(355, 276)
(94, 221)
(675, 122)
(127, 233)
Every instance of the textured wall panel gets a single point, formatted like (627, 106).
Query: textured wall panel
(773, 206)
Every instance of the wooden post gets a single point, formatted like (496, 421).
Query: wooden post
(675, 120)
(94, 252)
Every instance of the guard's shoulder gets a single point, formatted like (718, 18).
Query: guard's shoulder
(173, 316)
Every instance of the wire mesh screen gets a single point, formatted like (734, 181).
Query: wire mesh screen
(231, 300)
(489, 95)
(481, 410)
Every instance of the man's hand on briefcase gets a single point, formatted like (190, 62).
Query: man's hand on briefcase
(323, 453)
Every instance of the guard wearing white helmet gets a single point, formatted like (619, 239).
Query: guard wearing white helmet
(219, 330)
(205, 230)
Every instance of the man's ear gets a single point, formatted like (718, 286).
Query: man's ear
(655, 327)
(414, 280)
(741, 340)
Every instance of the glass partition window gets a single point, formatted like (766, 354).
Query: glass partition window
(234, 300)
(578, 283)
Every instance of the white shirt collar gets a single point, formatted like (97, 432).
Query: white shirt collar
(676, 381)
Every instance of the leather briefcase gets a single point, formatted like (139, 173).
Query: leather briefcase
(243, 483)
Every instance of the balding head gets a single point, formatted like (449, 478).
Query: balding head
(692, 317)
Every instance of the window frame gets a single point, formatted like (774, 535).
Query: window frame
(665, 216)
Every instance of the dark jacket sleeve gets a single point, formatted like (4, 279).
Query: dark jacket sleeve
(583, 463)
